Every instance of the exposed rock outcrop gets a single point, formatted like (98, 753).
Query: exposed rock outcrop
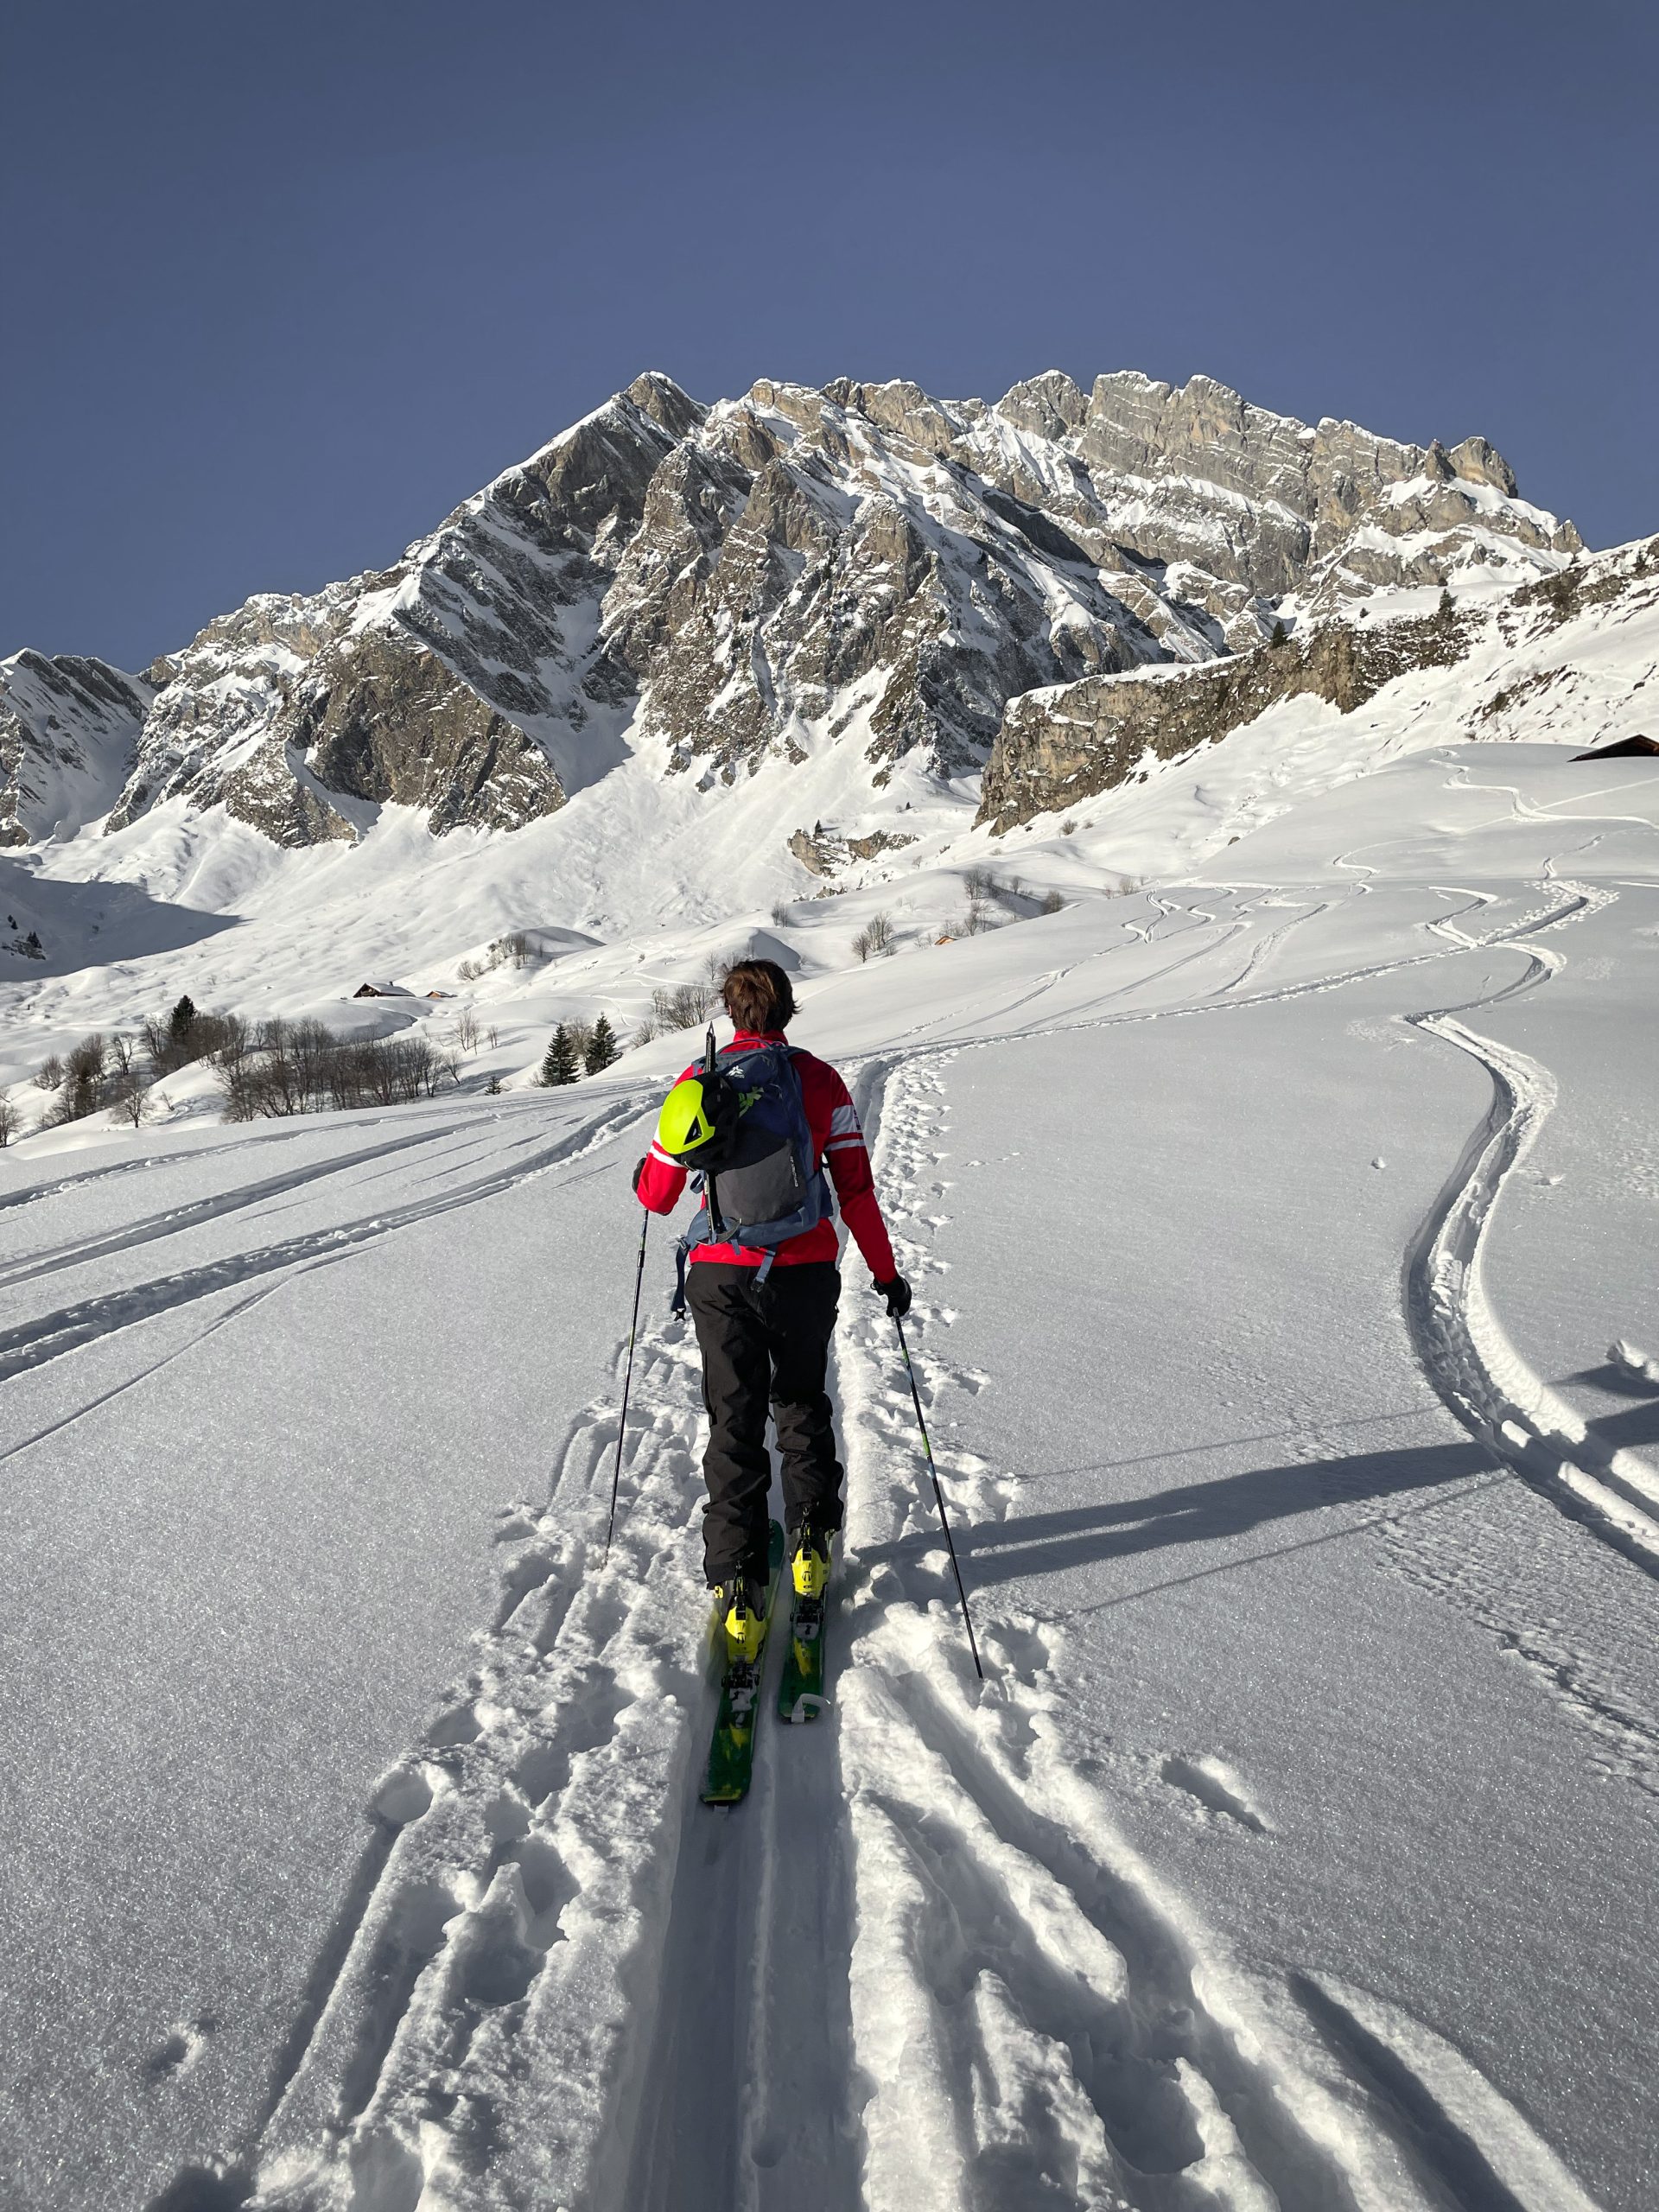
(1057, 748)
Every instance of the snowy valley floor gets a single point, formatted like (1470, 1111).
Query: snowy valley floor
(1270, 1233)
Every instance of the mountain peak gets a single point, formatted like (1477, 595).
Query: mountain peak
(863, 565)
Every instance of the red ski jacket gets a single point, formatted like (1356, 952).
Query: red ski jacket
(837, 1145)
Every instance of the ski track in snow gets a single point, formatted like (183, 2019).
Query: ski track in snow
(1462, 1345)
(48, 1336)
(920, 1967)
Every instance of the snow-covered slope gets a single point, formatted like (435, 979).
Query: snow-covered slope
(1269, 1226)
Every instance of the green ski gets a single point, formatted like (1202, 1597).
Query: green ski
(731, 1754)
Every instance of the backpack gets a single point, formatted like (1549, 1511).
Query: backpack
(760, 1180)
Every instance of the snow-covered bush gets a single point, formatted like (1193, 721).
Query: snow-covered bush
(515, 947)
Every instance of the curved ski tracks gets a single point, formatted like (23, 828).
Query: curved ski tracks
(1464, 1348)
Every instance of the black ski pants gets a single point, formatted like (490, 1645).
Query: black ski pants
(764, 1342)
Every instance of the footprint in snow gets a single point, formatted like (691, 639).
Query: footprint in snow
(179, 2049)
(459, 1726)
(1211, 1783)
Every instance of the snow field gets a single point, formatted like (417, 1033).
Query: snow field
(1296, 1866)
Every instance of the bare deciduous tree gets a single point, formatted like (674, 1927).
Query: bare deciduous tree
(85, 1080)
(684, 1007)
(133, 1099)
(875, 939)
(11, 1120)
(49, 1074)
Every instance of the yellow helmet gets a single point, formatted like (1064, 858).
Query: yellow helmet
(692, 1115)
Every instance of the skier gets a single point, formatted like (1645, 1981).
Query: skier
(764, 1316)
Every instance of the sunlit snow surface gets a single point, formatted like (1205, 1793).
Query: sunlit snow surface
(1269, 1228)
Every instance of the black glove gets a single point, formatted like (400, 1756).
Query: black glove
(638, 1172)
(896, 1293)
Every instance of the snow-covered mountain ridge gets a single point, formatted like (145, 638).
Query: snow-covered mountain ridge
(723, 585)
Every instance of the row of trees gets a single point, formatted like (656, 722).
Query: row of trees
(96, 1072)
(281, 1068)
(264, 1068)
(188, 1035)
(120, 1071)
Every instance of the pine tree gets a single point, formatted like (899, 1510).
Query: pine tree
(602, 1047)
(1280, 635)
(182, 1019)
(559, 1066)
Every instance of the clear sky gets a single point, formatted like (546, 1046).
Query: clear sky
(280, 284)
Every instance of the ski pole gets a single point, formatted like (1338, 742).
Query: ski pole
(627, 1382)
(938, 1496)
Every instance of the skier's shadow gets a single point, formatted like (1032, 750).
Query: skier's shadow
(1197, 1513)
(1636, 1424)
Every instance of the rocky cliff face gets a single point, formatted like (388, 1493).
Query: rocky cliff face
(1267, 504)
(68, 731)
(1058, 747)
(863, 564)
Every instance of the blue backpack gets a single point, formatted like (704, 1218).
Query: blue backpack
(763, 1185)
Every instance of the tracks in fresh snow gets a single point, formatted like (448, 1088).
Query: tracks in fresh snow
(47, 1337)
(919, 1970)
(196, 1212)
(1464, 1348)
(477, 2022)
(908, 1972)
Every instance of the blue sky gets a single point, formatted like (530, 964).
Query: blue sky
(282, 284)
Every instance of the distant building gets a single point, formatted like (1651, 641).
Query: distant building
(1627, 749)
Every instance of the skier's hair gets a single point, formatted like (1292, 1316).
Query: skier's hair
(757, 996)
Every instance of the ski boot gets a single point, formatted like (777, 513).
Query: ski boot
(800, 1695)
(740, 1613)
(808, 1563)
